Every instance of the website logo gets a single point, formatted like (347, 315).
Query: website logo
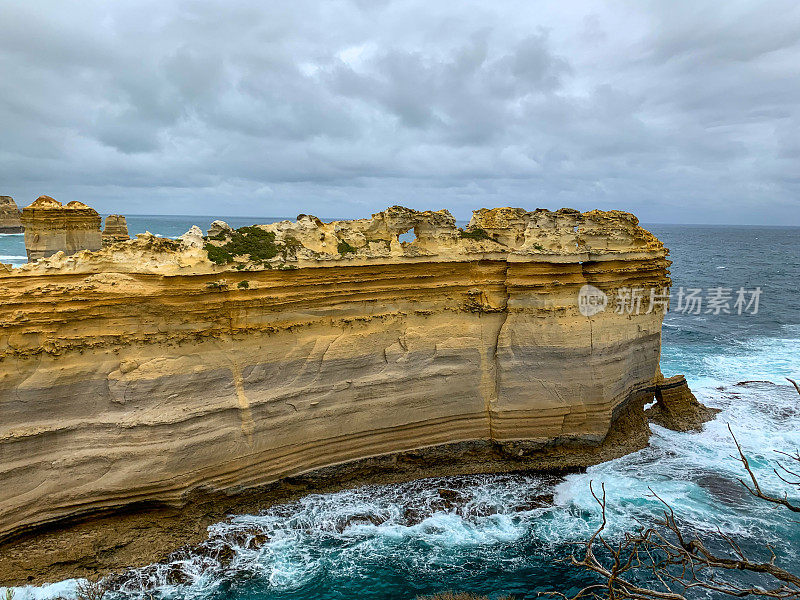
(591, 300)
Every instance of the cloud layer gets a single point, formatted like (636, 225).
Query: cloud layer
(680, 112)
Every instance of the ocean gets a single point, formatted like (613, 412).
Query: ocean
(361, 544)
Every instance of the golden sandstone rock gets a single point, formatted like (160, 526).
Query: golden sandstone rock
(115, 230)
(51, 227)
(144, 374)
(9, 216)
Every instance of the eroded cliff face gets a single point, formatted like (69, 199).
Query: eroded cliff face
(9, 216)
(145, 372)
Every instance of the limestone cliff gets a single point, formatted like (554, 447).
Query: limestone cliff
(145, 373)
(52, 227)
(9, 216)
(115, 230)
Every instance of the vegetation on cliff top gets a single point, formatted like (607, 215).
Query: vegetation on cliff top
(252, 241)
(345, 248)
(475, 233)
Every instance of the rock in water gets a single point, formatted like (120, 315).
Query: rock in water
(116, 230)
(676, 407)
(52, 227)
(9, 216)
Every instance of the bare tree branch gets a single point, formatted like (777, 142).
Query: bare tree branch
(678, 561)
(756, 489)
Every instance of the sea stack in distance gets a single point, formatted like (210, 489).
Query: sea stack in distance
(115, 230)
(9, 216)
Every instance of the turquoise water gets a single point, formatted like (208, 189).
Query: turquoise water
(502, 535)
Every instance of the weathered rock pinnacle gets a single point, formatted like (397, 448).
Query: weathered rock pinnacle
(9, 216)
(51, 227)
(116, 230)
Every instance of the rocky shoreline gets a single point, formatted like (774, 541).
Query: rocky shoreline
(113, 543)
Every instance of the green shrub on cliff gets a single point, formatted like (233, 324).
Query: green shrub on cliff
(476, 233)
(292, 243)
(252, 241)
(218, 255)
(345, 248)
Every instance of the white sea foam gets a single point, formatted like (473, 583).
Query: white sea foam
(62, 589)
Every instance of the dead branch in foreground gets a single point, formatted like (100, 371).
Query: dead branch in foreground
(667, 561)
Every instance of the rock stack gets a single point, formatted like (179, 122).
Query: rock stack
(116, 230)
(676, 407)
(9, 216)
(52, 227)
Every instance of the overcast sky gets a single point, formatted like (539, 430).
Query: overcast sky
(679, 111)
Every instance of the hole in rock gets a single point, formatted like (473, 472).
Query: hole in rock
(409, 236)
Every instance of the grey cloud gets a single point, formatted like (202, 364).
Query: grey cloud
(341, 108)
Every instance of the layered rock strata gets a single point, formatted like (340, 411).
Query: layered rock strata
(52, 227)
(9, 216)
(115, 230)
(147, 375)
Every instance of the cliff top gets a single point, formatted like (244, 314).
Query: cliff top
(512, 234)
(48, 203)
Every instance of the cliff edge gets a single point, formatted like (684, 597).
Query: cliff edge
(182, 375)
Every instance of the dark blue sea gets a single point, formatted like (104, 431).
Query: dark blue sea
(328, 547)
